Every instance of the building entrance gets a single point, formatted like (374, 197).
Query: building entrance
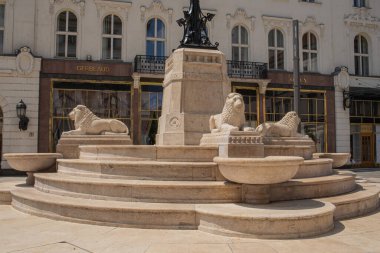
(367, 149)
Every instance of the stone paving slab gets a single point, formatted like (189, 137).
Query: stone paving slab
(24, 233)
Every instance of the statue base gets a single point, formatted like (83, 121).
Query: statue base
(195, 87)
(68, 145)
(236, 144)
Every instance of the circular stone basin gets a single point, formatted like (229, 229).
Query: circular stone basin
(31, 162)
(339, 159)
(268, 170)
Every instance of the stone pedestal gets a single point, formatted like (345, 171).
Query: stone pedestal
(68, 145)
(235, 144)
(195, 87)
(289, 146)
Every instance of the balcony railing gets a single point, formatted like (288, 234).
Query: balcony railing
(150, 64)
(236, 69)
(247, 70)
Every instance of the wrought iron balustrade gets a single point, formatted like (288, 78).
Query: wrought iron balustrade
(247, 70)
(150, 64)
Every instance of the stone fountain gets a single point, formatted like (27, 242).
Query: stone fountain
(207, 172)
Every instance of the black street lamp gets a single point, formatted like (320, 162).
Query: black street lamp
(195, 29)
(21, 114)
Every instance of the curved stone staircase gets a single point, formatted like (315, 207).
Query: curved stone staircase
(181, 188)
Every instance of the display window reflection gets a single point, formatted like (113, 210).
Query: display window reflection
(109, 101)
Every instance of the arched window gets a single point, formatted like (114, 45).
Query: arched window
(276, 49)
(66, 34)
(155, 37)
(310, 52)
(112, 38)
(361, 53)
(239, 44)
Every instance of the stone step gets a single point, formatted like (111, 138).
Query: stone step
(282, 220)
(358, 203)
(141, 170)
(139, 190)
(158, 153)
(105, 212)
(315, 168)
(297, 189)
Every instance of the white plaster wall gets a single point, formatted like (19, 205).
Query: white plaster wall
(14, 87)
(33, 23)
(342, 120)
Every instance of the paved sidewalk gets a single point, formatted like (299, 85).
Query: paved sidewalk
(20, 232)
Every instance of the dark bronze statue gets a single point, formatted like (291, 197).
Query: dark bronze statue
(195, 29)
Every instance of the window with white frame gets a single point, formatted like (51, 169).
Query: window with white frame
(361, 53)
(276, 49)
(310, 52)
(360, 3)
(66, 34)
(2, 18)
(155, 37)
(240, 43)
(112, 38)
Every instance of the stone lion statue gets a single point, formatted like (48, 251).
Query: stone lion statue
(232, 118)
(87, 123)
(286, 127)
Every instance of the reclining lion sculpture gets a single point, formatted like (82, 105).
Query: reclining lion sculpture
(87, 123)
(232, 117)
(286, 127)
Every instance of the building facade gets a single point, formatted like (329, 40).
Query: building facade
(110, 55)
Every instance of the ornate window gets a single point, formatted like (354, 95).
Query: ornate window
(112, 38)
(155, 37)
(2, 17)
(361, 56)
(360, 3)
(66, 34)
(276, 49)
(239, 43)
(310, 52)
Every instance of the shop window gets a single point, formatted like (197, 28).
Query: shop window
(250, 101)
(155, 37)
(365, 111)
(66, 34)
(361, 53)
(150, 112)
(2, 18)
(105, 100)
(112, 38)
(312, 112)
(239, 43)
(310, 52)
(276, 49)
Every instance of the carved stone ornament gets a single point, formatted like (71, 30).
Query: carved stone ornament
(342, 78)
(311, 23)
(241, 16)
(232, 118)
(362, 20)
(112, 6)
(24, 61)
(286, 127)
(80, 3)
(156, 7)
(87, 123)
(277, 22)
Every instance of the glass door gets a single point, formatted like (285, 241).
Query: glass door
(367, 149)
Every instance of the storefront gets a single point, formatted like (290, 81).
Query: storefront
(365, 127)
(105, 88)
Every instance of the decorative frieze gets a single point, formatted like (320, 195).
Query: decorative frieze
(156, 8)
(80, 4)
(311, 24)
(240, 16)
(276, 22)
(112, 6)
(362, 21)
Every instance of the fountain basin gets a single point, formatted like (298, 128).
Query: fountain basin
(339, 159)
(262, 171)
(31, 162)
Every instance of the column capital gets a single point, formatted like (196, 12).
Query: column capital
(136, 80)
(263, 85)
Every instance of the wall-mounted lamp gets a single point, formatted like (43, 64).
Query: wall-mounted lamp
(21, 114)
(346, 100)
